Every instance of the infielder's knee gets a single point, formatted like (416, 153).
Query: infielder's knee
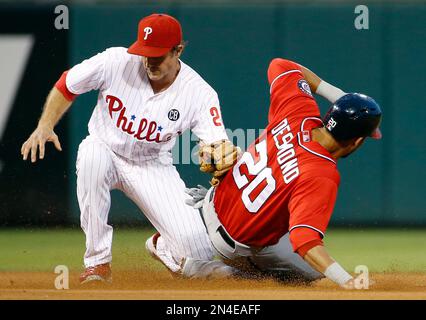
(93, 170)
(202, 248)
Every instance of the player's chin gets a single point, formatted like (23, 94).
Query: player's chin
(155, 76)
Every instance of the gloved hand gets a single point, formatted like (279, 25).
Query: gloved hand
(218, 158)
(197, 196)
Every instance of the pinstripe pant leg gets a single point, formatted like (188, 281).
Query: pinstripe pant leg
(159, 192)
(94, 181)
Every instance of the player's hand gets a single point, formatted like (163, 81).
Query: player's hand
(218, 158)
(349, 285)
(197, 196)
(354, 283)
(36, 142)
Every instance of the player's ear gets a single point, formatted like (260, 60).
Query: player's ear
(178, 50)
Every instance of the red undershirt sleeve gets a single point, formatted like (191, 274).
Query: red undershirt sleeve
(61, 85)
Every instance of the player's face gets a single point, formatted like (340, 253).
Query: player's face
(159, 68)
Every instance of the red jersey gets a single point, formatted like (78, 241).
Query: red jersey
(284, 180)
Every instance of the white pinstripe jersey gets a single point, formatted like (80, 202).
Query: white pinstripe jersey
(133, 121)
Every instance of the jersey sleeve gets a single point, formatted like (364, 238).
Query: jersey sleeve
(279, 68)
(207, 123)
(290, 93)
(311, 207)
(87, 75)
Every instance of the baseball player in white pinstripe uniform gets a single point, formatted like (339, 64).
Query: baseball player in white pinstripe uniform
(147, 97)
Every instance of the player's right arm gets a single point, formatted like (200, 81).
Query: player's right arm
(217, 154)
(311, 207)
(83, 77)
(55, 107)
(320, 260)
(308, 244)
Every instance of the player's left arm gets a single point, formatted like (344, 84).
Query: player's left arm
(217, 154)
(280, 69)
(321, 87)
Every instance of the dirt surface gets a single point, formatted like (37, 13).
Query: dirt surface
(141, 285)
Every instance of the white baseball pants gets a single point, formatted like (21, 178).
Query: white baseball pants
(277, 260)
(157, 190)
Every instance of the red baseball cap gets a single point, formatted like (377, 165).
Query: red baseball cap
(157, 35)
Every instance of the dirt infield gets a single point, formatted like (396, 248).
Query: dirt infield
(160, 286)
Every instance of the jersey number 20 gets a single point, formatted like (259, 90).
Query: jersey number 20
(262, 173)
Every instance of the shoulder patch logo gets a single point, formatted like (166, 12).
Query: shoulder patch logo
(173, 115)
(304, 87)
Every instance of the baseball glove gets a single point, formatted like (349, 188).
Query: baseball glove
(217, 158)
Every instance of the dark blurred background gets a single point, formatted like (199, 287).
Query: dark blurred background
(230, 43)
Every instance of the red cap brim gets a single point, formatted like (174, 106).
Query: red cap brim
(151, 52)
(377, 134)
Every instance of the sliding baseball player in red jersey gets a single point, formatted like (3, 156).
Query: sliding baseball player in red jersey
(271, 211)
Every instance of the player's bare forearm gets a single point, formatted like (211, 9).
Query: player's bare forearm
(312, 79)
(318, 258)
(55, 107)
(321, 87)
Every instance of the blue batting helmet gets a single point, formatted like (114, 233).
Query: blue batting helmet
(352, 116)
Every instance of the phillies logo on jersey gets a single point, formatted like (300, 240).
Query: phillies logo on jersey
(147, 130)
